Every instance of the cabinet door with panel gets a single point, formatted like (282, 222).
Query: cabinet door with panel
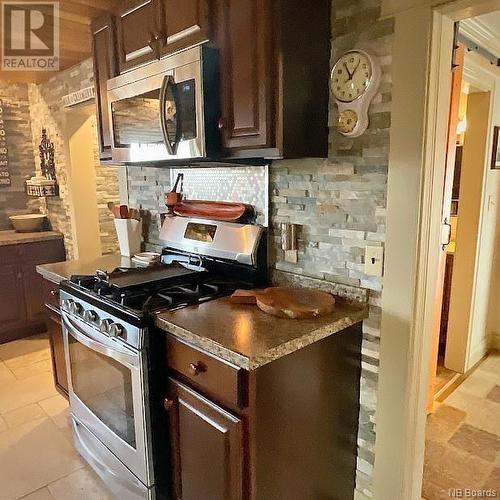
(12, 304)
(138, 33)
(185, 23)
(33, 293)
(244, 39)
(105, 67)
(207, 447)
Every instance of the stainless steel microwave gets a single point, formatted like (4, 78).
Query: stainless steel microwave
(166, 110)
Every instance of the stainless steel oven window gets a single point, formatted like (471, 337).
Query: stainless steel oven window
(105, 387)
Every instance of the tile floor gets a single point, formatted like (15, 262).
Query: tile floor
(463, 437)
(37, 458)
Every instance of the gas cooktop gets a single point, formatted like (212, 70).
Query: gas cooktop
(144, 291)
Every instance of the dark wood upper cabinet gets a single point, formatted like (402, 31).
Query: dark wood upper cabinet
(244, 40)
(273, 66)
(105, 67)
(274, 77)
(185, 23)
(138, 33)
(207, 447)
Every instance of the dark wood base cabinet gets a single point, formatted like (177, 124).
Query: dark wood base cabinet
(285, 431)
(21, 291)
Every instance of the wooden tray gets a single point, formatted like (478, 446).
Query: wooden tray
(215, 210)
(291, 303)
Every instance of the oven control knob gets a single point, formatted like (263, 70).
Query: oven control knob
(90, 316)
(75, 308)
(66, 304)
(115, 330)
(105, 325)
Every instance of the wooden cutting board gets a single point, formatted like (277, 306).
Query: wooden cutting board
(291, 303)
(215, 210)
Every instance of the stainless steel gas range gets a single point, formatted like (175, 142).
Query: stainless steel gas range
(113, 352)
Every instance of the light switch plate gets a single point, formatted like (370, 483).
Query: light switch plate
(374, 261)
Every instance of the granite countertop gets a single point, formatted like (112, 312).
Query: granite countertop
(64, 270)
(11, 237)
(249, 338)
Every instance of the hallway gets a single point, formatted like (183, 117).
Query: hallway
(463, 437)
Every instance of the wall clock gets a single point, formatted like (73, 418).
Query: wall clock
(354, 81)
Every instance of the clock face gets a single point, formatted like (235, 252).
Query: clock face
(351, 76)
(348, 119)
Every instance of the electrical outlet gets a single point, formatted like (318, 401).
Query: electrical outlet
(374, 261)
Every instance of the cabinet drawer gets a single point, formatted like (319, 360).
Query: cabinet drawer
(221, 379)
(50, 291)
(42, 252)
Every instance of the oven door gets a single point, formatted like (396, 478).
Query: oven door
(107, 390)
(160, 117)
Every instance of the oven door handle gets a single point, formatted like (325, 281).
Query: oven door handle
(163, 119)
(77, 330)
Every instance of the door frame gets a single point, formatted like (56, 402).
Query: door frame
(422, 39)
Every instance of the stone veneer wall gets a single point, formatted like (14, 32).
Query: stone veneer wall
(16, 118)
(47, 111)
(339, 204)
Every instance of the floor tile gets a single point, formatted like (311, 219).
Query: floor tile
(493, 481)
(476, 441)
(33, 455)
(23, 415)
(6, 375)
(83, 484)
(444, 422)
(494, 394)
(448, 467)
(27, 360)
(41, 494)
(24, 346)
(479, 384)
(35, 368)
(463, 400)
(485, 417)
(492, 363)
(23, 392)
(57, 408)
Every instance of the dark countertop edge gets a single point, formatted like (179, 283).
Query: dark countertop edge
(273, 354)
(32, 238)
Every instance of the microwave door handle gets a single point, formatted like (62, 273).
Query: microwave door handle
(78, 332)
(163, 118)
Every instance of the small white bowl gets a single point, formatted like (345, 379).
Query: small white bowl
(28, 223)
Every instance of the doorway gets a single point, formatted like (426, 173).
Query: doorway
(464, 333)
(463, 429)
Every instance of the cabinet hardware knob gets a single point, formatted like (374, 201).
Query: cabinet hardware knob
(54, 293)
(196, 368)
(167, 404)
(222, 123)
